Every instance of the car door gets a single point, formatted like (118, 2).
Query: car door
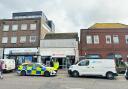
(29, 69)
(84, 67)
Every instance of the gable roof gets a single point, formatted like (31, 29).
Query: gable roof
(61, 36)
(108, 25)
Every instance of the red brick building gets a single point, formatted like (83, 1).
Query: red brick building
(105, 39)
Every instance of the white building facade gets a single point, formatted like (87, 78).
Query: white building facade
(63, 47)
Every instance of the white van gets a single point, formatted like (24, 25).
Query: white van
(8, 64)
(94, 67)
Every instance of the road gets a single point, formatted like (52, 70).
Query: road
(62, 81)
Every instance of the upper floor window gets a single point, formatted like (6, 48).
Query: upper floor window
(115, 39)
(126, 39)
(23, 26)
(5, 27)
(108, 39)
(4, 39)
(32, 39)
(89, 39)
(32, 26)
(13, 39)
(96, 39)
(22, 39)
(14, 27)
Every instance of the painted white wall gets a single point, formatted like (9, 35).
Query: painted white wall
(58, 43)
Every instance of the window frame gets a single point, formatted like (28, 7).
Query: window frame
(116, 39)
(4, 40)
(33, 27)
(31, 40)
(13, 27)
(96, 39)
(5, 28)
(24, 28)
(15, 41)
(126, 39)
(24, 41)
(110, 39)
(89, 39)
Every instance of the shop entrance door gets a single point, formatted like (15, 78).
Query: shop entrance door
(63, 63)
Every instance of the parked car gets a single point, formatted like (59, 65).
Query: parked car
(8, 64)
(36, 69)
(94, 67)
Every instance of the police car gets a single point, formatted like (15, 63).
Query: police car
(36, 69)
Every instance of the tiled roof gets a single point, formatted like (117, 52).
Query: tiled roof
(61, 36)
(108, 25)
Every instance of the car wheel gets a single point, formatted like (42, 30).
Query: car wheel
(110, 75)
(75, 74)
(46, 74)
(23, 73)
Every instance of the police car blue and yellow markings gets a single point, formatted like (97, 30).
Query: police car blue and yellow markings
(35, 69)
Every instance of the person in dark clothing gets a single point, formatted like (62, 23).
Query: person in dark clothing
(1, 69)
(51, 63)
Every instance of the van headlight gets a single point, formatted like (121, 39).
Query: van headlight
(70, 67)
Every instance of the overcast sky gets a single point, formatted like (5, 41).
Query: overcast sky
(71, 15)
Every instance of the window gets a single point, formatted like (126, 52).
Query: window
(126, 39)
(32, 39)
(96, 39)
(32, 26)
(13, 39)
(22, 39)
(84, 63)
(115, 39)
(4, 39)
(24, 27)
(108, 39)
(89, 39)
(5, 27)
(14, 27)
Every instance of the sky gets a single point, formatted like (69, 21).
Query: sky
(71, 15)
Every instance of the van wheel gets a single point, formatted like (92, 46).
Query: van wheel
(126, 78)
(46, 74)
(75, 74)
(23, 73)
(110, 75)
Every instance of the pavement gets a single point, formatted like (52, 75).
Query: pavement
(61, 81)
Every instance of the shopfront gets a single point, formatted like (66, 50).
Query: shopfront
(22, 55)
(65, 56)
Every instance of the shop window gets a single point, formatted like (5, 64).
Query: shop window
(108, 39)
(5, 27)
(4, 39)
(89, 39)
